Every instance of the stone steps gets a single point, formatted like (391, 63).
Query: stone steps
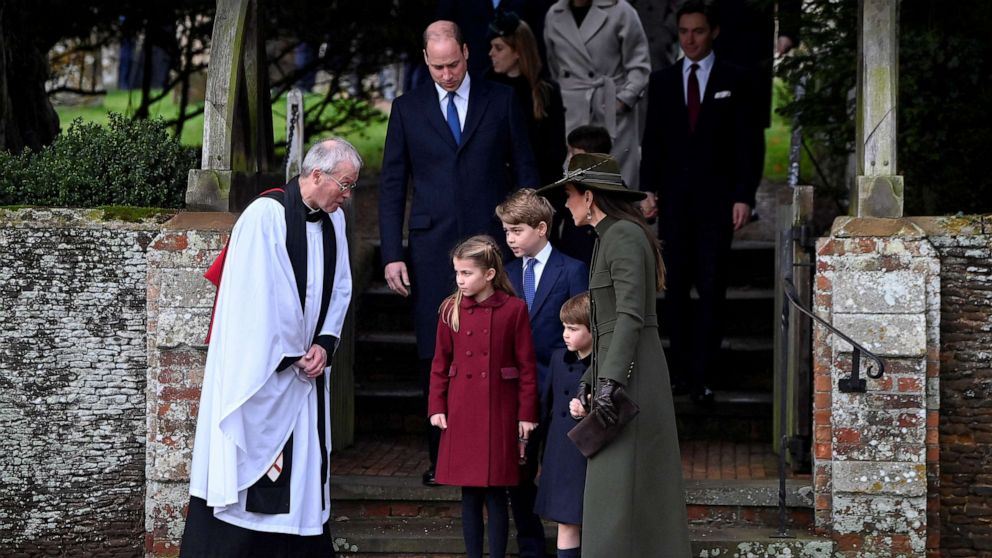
(712, 502)
(410, 538)
(397, 516)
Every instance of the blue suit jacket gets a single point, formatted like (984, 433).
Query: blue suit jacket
(456, 188)
(563, 277)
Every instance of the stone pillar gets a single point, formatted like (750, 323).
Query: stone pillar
(879, 189)
(878, 281)
(179, 305)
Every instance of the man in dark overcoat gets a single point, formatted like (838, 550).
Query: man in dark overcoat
(462, 145)
(699, 158)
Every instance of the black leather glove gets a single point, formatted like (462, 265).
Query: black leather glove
(585, 390)
(604, 401)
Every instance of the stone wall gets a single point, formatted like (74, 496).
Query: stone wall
(928, 421)
(965, 481)
(72, 384)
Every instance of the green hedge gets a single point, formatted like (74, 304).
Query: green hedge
(128, 162)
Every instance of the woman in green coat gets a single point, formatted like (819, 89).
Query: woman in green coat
(634, 497)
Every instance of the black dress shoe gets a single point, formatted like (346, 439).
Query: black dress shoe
(705, 397)
(428, 478)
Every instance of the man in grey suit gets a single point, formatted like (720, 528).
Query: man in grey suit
(462, 145)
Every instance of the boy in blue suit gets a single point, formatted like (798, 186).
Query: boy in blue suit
(545, 278)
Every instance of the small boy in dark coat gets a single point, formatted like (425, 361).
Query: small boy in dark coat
(563, 471)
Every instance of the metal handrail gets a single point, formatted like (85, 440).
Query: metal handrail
(853, 384)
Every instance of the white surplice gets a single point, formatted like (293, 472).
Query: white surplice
(247, 409)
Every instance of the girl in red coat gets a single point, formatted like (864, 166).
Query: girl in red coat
(483, 393)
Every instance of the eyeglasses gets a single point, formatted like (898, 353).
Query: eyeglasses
(344, 187)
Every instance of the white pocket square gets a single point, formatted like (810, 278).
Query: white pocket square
(721, 94)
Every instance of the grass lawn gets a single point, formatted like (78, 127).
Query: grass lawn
(777, 140)
(370, 138)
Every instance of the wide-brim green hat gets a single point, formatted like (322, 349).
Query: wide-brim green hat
(594, 171)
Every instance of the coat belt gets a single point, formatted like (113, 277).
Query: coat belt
(591, 85)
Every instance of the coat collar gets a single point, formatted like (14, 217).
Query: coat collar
(604, 225)
(561, 5)
(497, 299)
(478, 100)
(572, 357)
(578, 37)
(594, 20)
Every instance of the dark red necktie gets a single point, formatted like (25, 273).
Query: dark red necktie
(692, 97)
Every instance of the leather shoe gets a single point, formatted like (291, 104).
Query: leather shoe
(428, 478)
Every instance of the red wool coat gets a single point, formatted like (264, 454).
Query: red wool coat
(484, 378)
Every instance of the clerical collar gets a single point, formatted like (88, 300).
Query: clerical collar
(313, 215)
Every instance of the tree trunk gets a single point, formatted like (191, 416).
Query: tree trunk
(27, 118)
(147, 62)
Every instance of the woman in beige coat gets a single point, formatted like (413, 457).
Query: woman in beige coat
(634, 499)
(598, 53)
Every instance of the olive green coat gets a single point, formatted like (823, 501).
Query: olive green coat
(634, 497)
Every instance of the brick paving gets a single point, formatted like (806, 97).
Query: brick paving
(406, 456)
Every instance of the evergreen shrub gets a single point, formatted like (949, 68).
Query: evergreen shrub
(128, 162)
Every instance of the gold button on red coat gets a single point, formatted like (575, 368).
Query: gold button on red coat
(468, 353)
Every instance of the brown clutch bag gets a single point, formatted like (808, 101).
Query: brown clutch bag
(592, 434)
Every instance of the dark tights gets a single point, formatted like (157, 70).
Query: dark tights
(494, 500)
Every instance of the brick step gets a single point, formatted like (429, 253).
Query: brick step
(709, 502)
(412, 537)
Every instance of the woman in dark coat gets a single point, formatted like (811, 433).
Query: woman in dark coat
(517, 63)
(634, 498)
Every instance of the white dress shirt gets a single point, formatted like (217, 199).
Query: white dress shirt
(702, 75)
(461, 100)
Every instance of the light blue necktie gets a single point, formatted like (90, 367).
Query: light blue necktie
(456, 127)
(529, 282)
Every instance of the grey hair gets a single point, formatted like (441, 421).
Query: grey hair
(328, 153)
